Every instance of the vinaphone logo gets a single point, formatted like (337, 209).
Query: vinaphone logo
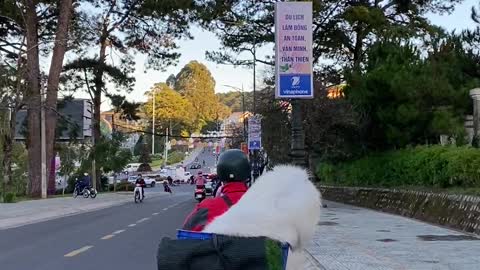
(295, 81)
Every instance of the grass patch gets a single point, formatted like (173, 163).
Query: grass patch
(173, 158)
(157, 163)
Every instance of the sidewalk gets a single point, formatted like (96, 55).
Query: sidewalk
(28, 212)
(353, 238)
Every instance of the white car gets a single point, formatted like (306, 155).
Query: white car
(149, 180)
(132, 167)
(187, 177)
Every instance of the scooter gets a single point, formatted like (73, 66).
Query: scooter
(200, 194)
(167, 188)
(85, 192)
(138, 193)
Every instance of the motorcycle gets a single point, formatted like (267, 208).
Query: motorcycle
(167, 188)
(200, 194)
(209, 189)
(85, 192)
(138, 193)
(293, 215)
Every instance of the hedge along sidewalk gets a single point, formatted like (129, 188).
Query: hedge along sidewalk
(28, 212)
(427, 166)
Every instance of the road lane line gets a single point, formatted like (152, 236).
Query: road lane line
(143, 219)
(78, 251)
(106, 237)
(119, 231)
(154, 214)
(165, 209)
(132, 225)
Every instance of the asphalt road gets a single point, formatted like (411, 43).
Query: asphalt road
(207, 156)
(120, 237)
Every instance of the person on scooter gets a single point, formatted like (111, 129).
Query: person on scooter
(200, 181)
(192, 180)
(86, 180)
(82, 183)
(233, 169)
(166, 186)
(140, 181)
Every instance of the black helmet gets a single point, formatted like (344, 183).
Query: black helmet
(233, 166)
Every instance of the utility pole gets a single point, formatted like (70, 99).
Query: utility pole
(165, 152)
(43, 147)
(153, 123)
(243, 109)
(94, 166)
(254, 51)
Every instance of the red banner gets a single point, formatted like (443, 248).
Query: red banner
(244, 148)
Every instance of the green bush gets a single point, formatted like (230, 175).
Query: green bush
(435, 166)
(9, 198)
(123, 186)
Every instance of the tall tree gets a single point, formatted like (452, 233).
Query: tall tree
(342, 29)
(405, 99)
(65, 10)
(237, 101)
(172, 110)
(33, 97)
(124, 109)
(37, 21)
(196, 84)
(124, 27)
(12, 91)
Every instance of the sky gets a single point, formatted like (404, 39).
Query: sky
(229, 75)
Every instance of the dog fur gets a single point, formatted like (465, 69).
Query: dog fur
(283, 204)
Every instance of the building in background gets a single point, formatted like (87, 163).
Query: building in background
(74, 120)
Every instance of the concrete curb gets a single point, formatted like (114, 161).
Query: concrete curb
(312, 263)
(21, 221)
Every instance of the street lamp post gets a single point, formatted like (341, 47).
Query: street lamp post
(153, 123)
(297, 149)
(243, 106)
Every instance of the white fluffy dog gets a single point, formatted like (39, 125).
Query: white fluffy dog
(282, 204)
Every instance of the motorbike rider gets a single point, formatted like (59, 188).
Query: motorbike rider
(192, 180)
(166, 186)
(233, 169)
(84, 182)
(200, 181)
(140, 181)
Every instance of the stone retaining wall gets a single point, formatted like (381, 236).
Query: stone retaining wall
(460, 212)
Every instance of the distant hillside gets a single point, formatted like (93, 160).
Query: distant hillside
(233, 100)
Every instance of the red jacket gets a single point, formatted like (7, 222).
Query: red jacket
(206, 211)
(200, 181)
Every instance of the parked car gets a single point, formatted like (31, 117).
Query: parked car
(149, 180)
(132, 167)
(187, 177)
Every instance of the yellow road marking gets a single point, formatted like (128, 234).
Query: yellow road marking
(106, 237)
(78, 251)
(119, 231)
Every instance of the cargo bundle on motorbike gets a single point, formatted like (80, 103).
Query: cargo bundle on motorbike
(199, 251)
